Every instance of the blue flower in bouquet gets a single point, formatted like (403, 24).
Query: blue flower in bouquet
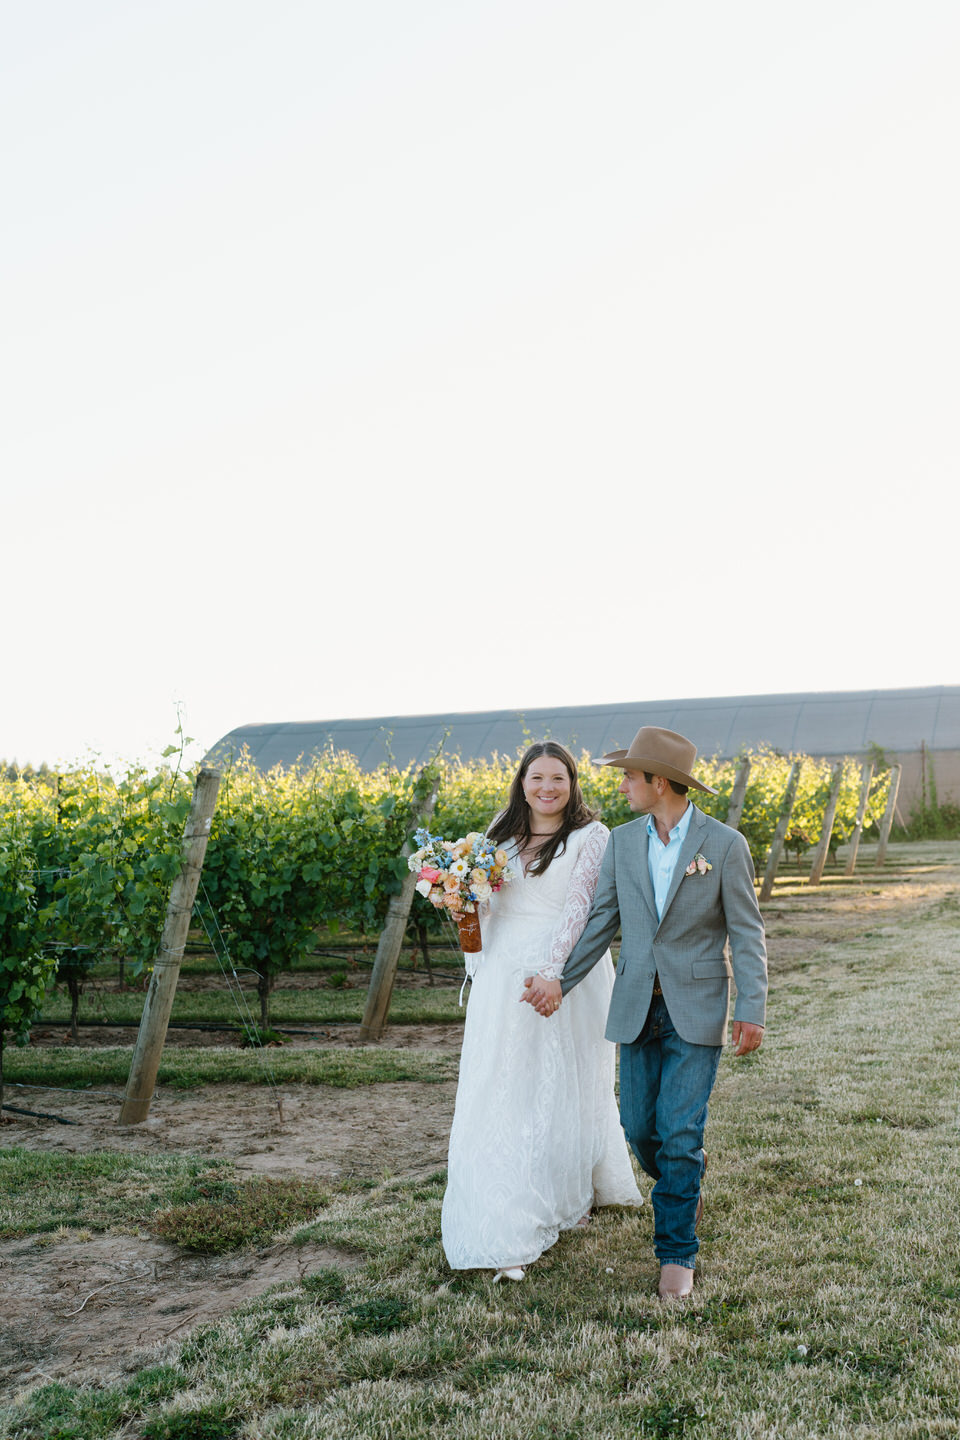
(450, 874)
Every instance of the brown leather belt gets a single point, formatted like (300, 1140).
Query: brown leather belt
(656, 985)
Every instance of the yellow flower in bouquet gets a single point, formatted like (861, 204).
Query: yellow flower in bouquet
(458, 874)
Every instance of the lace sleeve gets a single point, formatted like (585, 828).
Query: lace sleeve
(583, 884)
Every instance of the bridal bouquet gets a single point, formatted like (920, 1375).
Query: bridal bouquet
(457, 875)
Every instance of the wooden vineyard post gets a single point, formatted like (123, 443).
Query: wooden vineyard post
(826, 831)
(142, 1079)
(739, 794)
(888, 814)
(776, 849)
(867, 773)
(391, 942)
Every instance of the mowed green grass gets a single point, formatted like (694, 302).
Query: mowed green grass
(187, 1067)
(421, 1006)
(827, 1300)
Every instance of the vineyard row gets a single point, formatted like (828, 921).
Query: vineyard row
(87, 857)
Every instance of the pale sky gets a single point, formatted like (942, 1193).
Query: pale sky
(368, 359)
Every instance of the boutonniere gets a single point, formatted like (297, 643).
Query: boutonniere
(698, 865)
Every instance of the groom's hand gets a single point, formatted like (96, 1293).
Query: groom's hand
(746, 1037)
(544, 995)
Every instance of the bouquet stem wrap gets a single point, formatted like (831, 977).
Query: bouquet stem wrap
(469, 927)
(459, 875)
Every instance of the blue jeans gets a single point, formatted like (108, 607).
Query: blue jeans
(665, 1083)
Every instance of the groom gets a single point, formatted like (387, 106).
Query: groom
(679, 885)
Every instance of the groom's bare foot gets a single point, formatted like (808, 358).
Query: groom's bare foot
(676, 1282)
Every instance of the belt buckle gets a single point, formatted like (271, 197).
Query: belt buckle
(656, 985)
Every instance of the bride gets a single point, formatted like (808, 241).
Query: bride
(536, 1139)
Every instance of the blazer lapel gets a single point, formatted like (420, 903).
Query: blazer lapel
(688, 849)
(646, 884)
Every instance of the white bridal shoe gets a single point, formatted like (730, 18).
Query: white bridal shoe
(509, 1272)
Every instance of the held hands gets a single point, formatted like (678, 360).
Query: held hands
(544, 995)
(746, 1037)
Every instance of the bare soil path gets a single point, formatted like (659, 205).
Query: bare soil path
(88, 1309)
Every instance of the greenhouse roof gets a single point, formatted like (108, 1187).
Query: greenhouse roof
(842, 722)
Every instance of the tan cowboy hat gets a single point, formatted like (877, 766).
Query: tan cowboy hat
(659, 752)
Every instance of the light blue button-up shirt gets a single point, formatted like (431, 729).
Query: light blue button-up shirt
(662, 859)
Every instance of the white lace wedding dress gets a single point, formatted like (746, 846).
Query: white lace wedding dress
(536, 1138)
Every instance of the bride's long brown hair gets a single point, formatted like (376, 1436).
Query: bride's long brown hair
(513, 823)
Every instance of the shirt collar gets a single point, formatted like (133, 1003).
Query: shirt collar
(679, 831)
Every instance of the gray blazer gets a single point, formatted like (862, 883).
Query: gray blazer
(686, 947)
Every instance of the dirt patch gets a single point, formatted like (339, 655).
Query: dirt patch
(396, 1037)
(154, 1293)
(393, 1129)
(88, 1310)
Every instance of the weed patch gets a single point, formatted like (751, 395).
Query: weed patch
(211, 1422)
(379, 1316)
(325, 1287)
(667, 1420)
(227, 1215)
(42, 1191)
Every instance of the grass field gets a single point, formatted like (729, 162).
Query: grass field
(188, 1067)
(827, 1302)
(302, 1006)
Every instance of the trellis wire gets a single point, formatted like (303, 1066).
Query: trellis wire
(237, 995)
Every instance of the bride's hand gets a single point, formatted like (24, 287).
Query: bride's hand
(544, 995)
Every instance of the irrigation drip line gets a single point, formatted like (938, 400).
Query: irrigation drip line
(40, 1115)
(135, 1024)
(230, 1029)
(169, 1097)
(66, 1089)
(57, 872)
(368, 963)
(128, 1280)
